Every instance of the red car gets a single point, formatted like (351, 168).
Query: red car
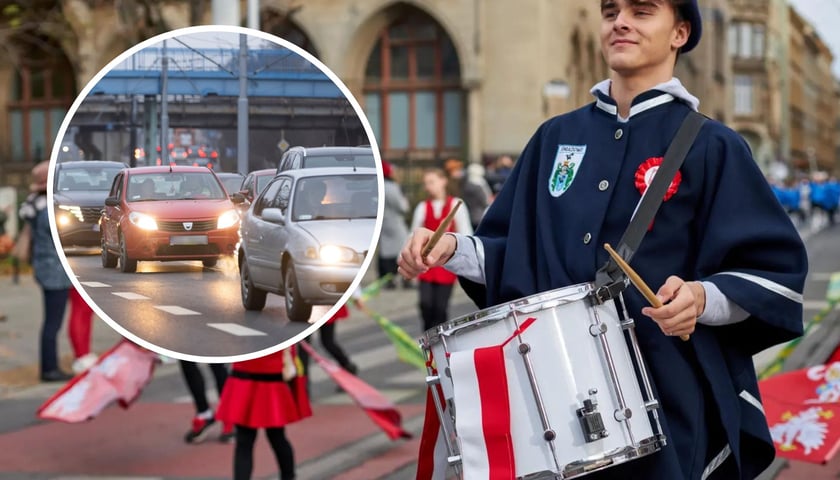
(167, 213)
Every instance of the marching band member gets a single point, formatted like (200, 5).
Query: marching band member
(730, 264)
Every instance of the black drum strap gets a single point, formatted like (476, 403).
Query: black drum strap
(610, 275)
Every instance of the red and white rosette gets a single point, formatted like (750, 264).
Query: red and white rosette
(646, 172)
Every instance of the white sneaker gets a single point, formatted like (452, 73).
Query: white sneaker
(84, 362)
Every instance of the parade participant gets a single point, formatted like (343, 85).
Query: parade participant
(204, 419)
(436, 283)
(728, 262)
(257, 395)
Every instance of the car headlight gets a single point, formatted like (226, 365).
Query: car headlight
(74, 210)
(141, 220)
(63, 219)
(227, 219)
(336, 254)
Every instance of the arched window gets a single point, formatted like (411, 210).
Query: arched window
(43, 89)
(412, 92)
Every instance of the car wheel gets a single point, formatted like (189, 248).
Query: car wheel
(127, 265)
(253, 298)
(210, 262)
(296, 308)
(109, 260)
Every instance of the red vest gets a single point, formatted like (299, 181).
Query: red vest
(438, 274)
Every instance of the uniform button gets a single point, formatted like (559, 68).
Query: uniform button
(603, 185)
(618, 134)
(587, 238)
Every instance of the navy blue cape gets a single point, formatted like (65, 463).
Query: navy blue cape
(723, 225)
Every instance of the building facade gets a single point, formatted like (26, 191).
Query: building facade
(443, 78)
(707, 70)
(784, 99)
(813, 99)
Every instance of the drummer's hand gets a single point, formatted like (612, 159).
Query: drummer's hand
(683, 303)
(411, 263)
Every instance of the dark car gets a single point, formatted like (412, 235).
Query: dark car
(231, 181)
(316, 157)
(79, 191)
(167, 213)
(255, 182)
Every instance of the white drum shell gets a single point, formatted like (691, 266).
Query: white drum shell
(568, 362)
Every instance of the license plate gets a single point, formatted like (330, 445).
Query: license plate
(188, 240)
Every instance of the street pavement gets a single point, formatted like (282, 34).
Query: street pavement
(185, 307)
(145, 442)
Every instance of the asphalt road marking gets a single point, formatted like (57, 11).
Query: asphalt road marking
(130, 295)
(176, 310)
(236, 329)
(95, 284)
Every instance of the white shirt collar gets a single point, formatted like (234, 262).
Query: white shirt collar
(673, 89)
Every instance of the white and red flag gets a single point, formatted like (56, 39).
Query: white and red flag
(119, 376)
(803, 411)
(382, 411)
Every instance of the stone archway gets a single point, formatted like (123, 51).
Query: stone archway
(407, 70)
(282, 25)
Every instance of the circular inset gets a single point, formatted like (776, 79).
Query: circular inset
(201, 224)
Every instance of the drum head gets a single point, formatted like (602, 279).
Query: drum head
(531, 303)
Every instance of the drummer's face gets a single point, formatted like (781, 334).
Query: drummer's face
(434, 184)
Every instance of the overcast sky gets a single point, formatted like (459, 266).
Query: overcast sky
(824, 15)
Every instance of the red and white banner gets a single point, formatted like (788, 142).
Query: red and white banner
(803, 411)
(119, 375)
(432, 462)
(381, 410)
(483, 406)
(480, 381)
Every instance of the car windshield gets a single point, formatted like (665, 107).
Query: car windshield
(232, 184)
(86, 179)
(340, 160)
(332, 197)
(144, 187)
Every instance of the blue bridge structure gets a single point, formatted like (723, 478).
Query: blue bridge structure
(286, 93)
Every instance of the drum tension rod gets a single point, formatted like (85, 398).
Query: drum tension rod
(549, 435)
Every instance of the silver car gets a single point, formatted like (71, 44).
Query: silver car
(306, 236)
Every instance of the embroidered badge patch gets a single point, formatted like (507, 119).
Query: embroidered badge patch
(646, 172)
(566, 165)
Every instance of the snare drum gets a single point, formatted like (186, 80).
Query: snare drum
(547, 386)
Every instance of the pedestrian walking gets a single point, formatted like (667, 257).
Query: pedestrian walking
(49, 273)
(394, 229)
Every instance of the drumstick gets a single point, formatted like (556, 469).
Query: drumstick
(637, 281)
(440, 231)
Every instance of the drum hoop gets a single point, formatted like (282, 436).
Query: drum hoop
(524, 305)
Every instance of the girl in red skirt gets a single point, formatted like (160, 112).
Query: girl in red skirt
(264, 393)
